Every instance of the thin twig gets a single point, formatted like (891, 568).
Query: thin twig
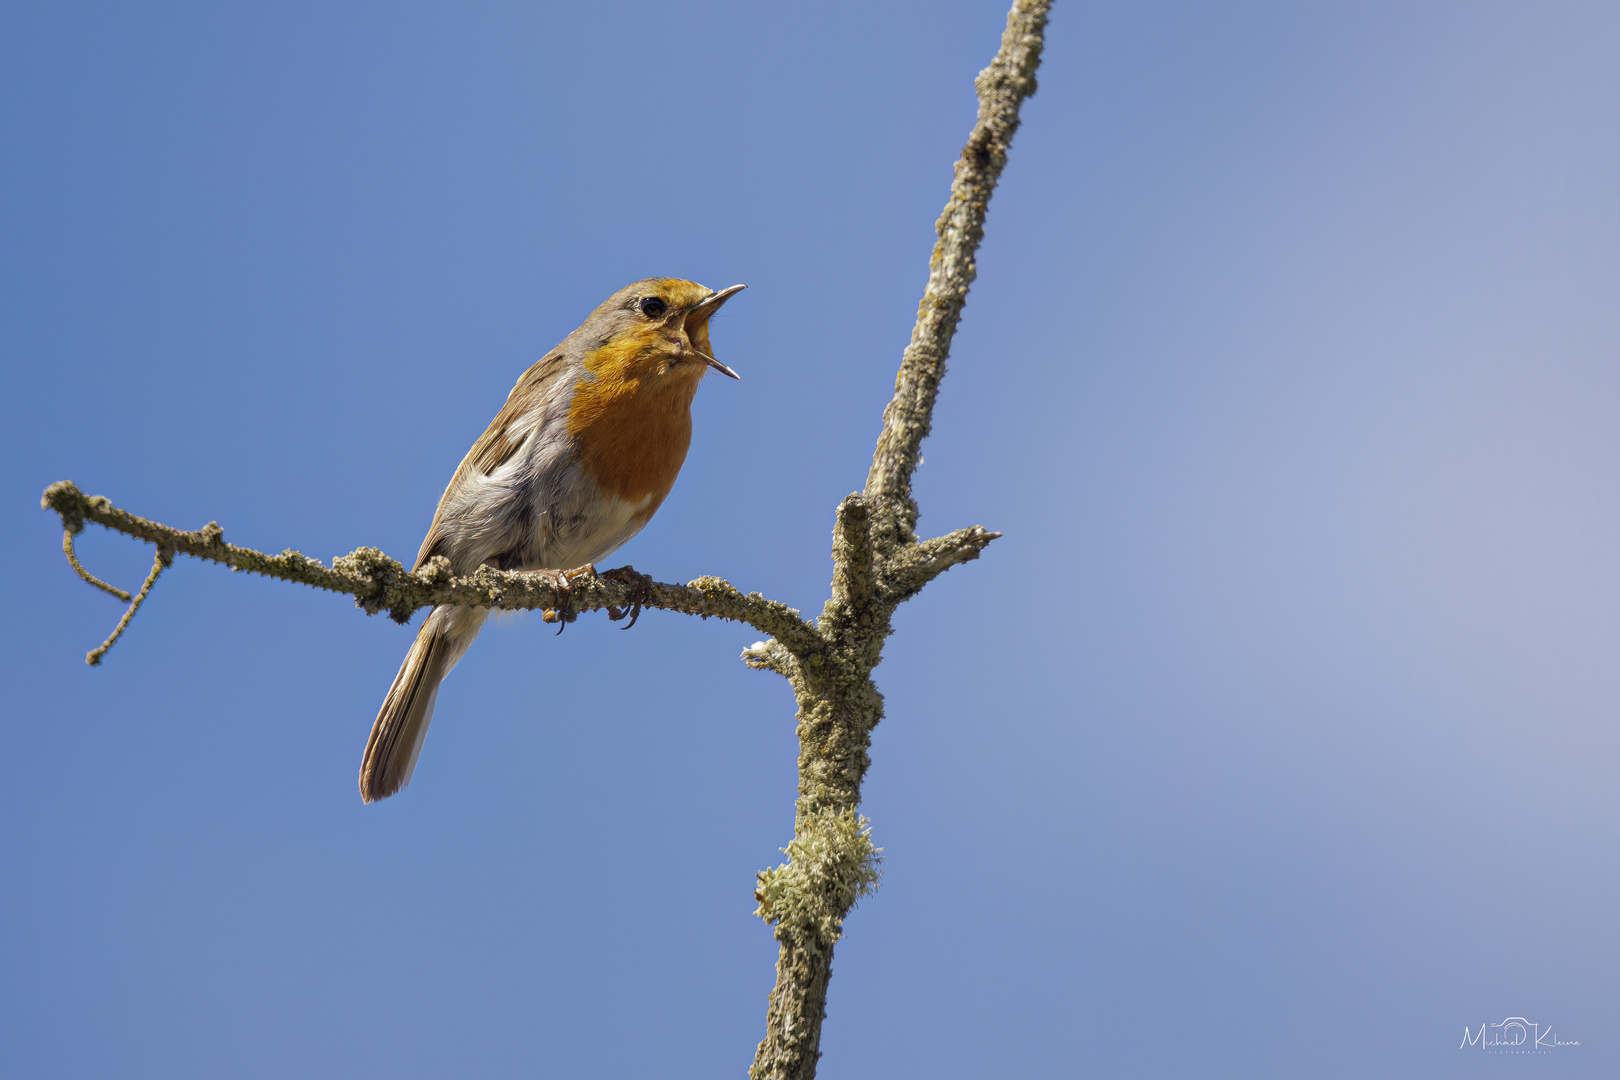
(160, 563)
(1002, 88)
(73, 560)
(915, 565)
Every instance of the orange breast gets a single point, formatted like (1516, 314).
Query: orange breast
(632, 423)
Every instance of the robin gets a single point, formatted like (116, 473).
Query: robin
(589, 442)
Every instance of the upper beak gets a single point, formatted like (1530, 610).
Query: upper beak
(700, 314)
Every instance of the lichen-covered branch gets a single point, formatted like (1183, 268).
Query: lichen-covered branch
(1002, 88)
(915, 565)
(832, 862)
(877, 564)
(852, 583)
(379, 583)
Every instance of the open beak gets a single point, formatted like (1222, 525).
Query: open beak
(697, 323)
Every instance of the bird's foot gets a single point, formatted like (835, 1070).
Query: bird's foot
(640, 593)
(561, 582)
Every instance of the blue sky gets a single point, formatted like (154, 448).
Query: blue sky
(1276, 738)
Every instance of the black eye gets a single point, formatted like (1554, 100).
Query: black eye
(652, 307)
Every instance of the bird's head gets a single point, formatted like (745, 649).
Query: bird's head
(655, 330)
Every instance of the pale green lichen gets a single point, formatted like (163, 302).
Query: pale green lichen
(831, 863)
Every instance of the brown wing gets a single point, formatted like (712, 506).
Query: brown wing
(501, 440)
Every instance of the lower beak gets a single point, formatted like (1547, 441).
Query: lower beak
(718, 366)
(699, 316)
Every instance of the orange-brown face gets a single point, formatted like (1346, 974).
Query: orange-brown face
(647, 349)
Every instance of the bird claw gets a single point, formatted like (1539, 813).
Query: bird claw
(640, 593)
(561, 582)
(558, 580)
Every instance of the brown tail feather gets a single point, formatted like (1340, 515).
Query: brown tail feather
(402, 722)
